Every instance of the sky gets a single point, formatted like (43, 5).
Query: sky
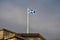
(46, 21)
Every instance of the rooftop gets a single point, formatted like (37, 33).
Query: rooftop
(24, 34)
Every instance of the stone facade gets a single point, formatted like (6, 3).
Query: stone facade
(9, 35)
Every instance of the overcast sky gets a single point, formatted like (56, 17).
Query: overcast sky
(46, 21)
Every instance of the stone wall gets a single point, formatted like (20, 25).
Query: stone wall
(1, 34)
(13, 39)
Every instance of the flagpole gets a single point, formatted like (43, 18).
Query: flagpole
(27, 22)
(29, 11)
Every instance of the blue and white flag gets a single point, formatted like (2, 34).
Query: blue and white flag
(30, 11)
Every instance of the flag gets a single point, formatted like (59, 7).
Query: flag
(30, 11)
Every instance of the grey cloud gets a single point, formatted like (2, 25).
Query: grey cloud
(46, 22)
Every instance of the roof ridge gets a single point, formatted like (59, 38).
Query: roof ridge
(4, 29)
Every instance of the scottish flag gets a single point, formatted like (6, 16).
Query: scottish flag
(30, 11)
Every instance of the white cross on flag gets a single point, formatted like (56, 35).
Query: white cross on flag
(30, 11)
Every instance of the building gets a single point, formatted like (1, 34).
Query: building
(9, 35)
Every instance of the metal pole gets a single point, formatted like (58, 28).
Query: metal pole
(27, 22)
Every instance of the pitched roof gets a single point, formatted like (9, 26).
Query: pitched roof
(7, 33)
(3, 29)
(24, 34)
(31, 35)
